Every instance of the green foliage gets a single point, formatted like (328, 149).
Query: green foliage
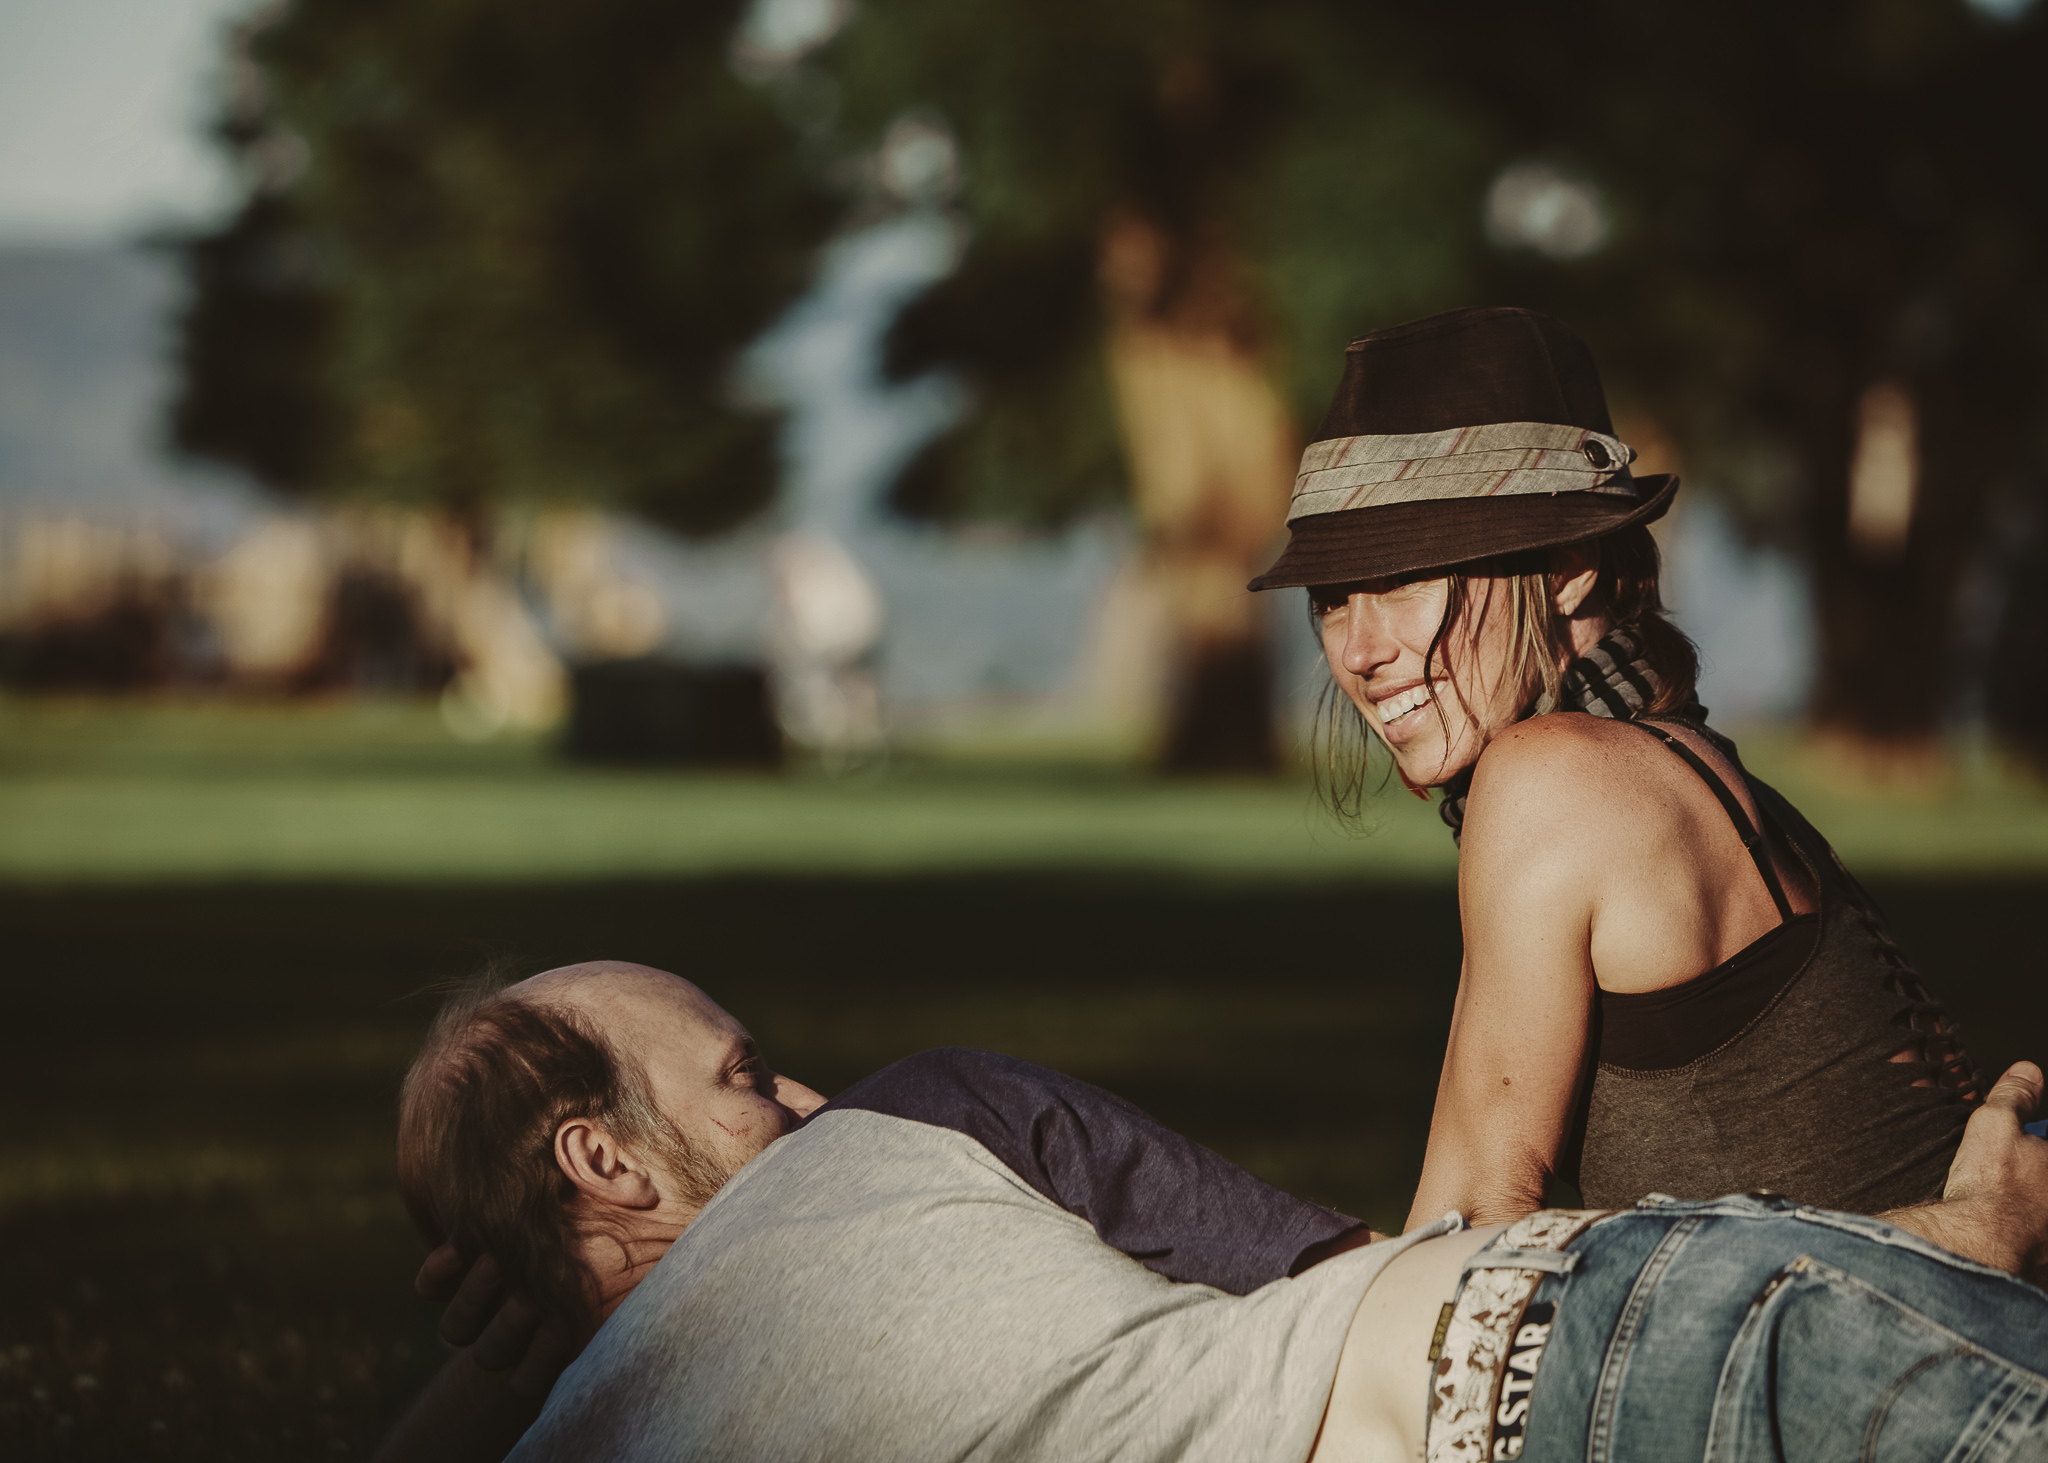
(1342, 184)
(1803, 197)
(253, 351)
(1808, 197)
(530, 239)
(1811, 199)
(1020, 322)
(1065, 112)
(1366, 213)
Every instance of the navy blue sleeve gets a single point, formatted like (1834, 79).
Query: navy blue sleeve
(1164, 1201)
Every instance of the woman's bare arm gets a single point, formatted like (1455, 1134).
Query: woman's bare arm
(1528, 881)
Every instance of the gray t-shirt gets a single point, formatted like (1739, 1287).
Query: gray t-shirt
(874, 1288)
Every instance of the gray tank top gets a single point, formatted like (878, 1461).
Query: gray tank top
(1774, 1070)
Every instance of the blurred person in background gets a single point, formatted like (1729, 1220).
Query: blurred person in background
(1671, 984)
(966, 1255)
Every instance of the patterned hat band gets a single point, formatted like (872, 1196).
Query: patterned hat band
(1499, 460)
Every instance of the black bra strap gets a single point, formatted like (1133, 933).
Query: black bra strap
(1751, 839)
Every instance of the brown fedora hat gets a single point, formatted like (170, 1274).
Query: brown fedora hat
(1465, 435)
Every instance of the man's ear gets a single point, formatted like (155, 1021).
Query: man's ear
(602, 1168)
(1571, 581)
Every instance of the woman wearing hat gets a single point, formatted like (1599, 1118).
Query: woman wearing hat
(1671, 984)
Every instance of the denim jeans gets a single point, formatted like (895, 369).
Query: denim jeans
(1750, 1328)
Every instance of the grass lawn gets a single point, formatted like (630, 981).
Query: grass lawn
(92, 793)
(219, 923)
(98, 793)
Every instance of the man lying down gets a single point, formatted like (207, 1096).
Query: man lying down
(966, 1256)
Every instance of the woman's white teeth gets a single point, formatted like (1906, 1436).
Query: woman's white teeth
(1395, 707)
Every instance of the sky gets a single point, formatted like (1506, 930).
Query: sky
(103, 111)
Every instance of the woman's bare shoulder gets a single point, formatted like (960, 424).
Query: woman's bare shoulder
(1551, 773)
(1562, 750)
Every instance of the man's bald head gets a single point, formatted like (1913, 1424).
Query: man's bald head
(617, 994)
(700, 1066)
(514, 1086)
(601, 973)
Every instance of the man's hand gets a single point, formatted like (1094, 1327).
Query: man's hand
(500, 1329)
(1995, 1207)
(491, 1390)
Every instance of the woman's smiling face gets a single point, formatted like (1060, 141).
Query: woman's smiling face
(1435, 719)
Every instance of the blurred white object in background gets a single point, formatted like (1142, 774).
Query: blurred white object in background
(54, 565)
(510, 676)
(271, 598)
(599, 609)
(828, 623)
(827, 606)
(506, 673)
(919, 162)
(1533, 205)
(267, 598)
(774, 34)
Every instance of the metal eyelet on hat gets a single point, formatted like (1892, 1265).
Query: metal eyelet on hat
(1598, 455)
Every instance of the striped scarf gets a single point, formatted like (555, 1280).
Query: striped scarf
(1612, 680)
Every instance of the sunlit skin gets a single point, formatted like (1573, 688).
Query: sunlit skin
(1591, 859)
(1376, 636)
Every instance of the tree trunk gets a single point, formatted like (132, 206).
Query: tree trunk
(1211, 454)
(1887, 611)
(1871, 618)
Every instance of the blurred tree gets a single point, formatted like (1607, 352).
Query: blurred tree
(497, 248)
(1822, 235)
(1179, 211)
(1826, 280)
(253, 387)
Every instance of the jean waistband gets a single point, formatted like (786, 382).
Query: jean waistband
(1491, 1336)
(1601, 1304)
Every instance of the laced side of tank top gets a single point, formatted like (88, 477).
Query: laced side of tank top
(1615, 680)
(1942, 1064)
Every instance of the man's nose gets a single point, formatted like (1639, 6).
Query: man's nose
(1367, 646)
(798, 1098)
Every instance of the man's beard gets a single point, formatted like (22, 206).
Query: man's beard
(697, 1171)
